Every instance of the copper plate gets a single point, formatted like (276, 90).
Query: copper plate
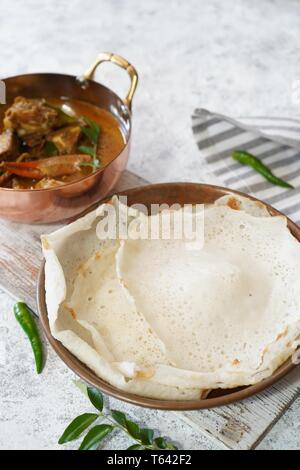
(170, 193)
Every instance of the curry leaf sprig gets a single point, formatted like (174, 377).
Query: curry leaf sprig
(246, 158)
(143, 438)
(92, 131)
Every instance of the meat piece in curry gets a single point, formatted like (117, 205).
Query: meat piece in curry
(31, 119)
(46, 143)
(66, 139)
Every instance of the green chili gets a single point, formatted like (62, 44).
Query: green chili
(248, 159)
(24, 316)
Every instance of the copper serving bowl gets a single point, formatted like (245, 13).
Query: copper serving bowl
(64, 202)
(171, 193)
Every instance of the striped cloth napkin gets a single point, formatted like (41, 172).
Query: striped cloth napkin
(276, 141)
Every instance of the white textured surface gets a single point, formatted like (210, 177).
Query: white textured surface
(239, 58)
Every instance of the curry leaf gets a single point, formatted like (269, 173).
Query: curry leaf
(133, 429)
(77, 426)
(135, 447)
(95, 436)
(92, 124)
(96, 398)
(119, 417)
(143, 437)
(160, 442)
(91, 130)
(88, 132)
(88, 150)
(146, 436)
(50, 149)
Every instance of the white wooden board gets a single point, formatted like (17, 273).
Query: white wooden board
(243, 425)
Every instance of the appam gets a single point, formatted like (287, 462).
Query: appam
(188, 345)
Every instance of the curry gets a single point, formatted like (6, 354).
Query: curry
(46, 143)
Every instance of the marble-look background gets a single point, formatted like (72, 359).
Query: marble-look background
(238, 58)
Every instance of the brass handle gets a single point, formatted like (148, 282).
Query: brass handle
(118, 60)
